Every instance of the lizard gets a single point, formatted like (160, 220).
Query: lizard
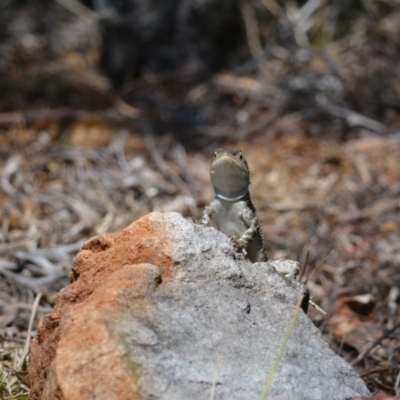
(232, 207)
(234, 211)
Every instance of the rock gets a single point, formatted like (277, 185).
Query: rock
(166, 309)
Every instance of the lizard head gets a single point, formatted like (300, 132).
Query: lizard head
(230, 175)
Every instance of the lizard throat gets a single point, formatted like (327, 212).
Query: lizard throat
(230, 196)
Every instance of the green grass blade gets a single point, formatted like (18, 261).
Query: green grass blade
(282, 349)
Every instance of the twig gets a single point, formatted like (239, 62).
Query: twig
(28, 335)
(12, 166)
(46, 266)
(36, 284)
(272, 6)
(126, 109)
(323, 312)
(304, 23)
(397, 385)
(106, 221)
(162, 165)
(375, 343)
(253, 36)
(65, 113)
(24, 306)
(58, 253)
(303, 266)
(179, 154)
(352, 118)
(81, 11)
(316, 269)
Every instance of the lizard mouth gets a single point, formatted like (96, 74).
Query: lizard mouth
(230, 177)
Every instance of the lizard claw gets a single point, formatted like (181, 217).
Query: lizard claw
(239, 245)
(237, 242)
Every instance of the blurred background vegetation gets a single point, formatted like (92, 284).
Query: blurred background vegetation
(112, 109)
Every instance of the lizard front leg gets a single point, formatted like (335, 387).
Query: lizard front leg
(207, 213)
(253, 224)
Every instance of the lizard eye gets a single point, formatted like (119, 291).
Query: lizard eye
(218, 152)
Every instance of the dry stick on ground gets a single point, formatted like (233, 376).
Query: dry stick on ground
(397, 385)
(322, 311)
(19, 118)
(122, 114)
(303, 266)
(126, 109)
(253, 37)
(375, 343)
(352, 118)
(162, 165)
(273, 7)
(28, 335)
(80, 10)
(106, 221)
(180, 157)
(317, 268)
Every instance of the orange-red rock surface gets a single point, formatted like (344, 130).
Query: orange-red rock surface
(103, 260)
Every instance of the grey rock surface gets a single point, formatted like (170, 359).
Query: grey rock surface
(209, 321)
(222, 321)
